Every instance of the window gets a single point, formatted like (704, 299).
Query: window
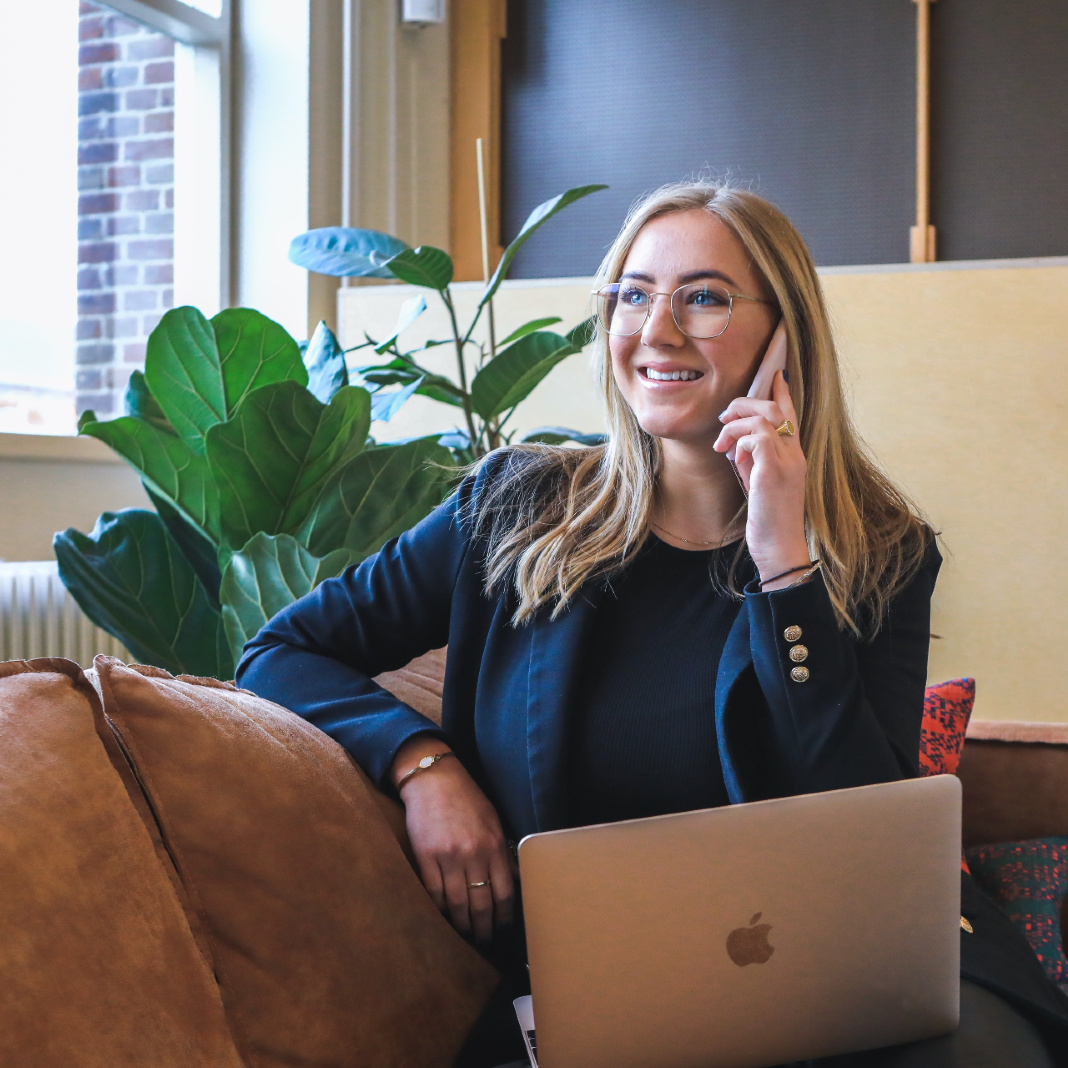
(126, 139)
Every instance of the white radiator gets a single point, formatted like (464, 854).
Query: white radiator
(39, 618)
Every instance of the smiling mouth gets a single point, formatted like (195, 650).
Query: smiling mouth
(670, 376)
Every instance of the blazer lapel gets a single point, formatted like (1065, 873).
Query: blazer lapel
(737, 657)
(556, 651)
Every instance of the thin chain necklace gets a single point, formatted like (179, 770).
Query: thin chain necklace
(718, 544)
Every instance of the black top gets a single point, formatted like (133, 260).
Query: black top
(644, 729)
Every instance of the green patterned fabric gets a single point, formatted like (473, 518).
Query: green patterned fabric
(1029, 881)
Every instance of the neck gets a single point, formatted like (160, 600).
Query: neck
(697, 495)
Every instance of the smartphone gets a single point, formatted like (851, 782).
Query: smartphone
(774, 361)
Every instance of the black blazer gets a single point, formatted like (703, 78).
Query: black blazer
(507, 693)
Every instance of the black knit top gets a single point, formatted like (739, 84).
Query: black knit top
(643, 739)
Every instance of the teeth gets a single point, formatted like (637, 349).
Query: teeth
(671, 376)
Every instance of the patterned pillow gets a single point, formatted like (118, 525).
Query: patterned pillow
(947, 707)
(1029, 880)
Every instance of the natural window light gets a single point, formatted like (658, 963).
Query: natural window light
(124, 134)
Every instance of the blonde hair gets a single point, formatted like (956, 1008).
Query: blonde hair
(557, 517)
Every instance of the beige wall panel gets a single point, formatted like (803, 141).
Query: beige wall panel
(956, 377)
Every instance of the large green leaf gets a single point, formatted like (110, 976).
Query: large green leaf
(345, 251)
(273, 458)
(201, 553)
(529, 328)
(166, 463)
(378, 495)
(325, 362)
(423, 266)
(139, 402)
(509, 378)
(410, 310)
(130, 578)
(265, 576)
(384, 406)
(541, 214)
(403, 372)
(198, 371)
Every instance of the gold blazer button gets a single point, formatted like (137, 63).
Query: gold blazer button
(799, 653)
(791, 634)
(799, 674)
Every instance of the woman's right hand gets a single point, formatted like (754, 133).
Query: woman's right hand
(457, 839)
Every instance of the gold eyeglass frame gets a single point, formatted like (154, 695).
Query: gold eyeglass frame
(731, 297)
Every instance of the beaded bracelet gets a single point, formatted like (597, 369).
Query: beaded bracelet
(813, 564)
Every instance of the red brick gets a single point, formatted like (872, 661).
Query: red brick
(159, 249)
(91, 228)
(150, 48)
(166, 97)
(96, 304)
(86, 380)
(120, 77)
(159, 122)
(106, 251)
(117, 26)
(162, 174)
(89, 278)
(89, 79)
(142, 99)
(121, 328)
(87, 329)
(119, 225)
(159, 223)
(168, 200)
(140, 300)
(122, 176)
(98, 152)
(95, 353)
(100, 403)
(133, 353)
(158, 274)
(105, 52)
(89, 29)
(159, 148)
(85, 8)
(98, 203)
(91, 178)
(122, 274)
(142, 200)
(158, 73)
(167, 299)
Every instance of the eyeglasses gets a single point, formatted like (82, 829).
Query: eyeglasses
(699, 310)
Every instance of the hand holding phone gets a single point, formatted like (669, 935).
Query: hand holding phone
(763, 381)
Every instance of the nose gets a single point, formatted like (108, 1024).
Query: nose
(660, 329)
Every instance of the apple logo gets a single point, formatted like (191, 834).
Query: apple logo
(749, 945)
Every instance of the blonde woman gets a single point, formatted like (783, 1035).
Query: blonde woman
(646, 627)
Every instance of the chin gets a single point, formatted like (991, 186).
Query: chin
(674, 426)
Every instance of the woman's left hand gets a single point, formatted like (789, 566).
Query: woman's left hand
(772, 468)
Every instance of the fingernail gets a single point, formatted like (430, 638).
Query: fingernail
(722, 414)
(785, 375)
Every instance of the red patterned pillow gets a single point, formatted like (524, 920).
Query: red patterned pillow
(947, 707)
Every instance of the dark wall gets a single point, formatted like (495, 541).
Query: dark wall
(810, 102)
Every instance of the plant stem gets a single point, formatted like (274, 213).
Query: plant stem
(447, 298)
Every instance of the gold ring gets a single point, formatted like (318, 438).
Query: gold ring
(787, 429)
(471, 886)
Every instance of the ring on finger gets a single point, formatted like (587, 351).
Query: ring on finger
(473, 886)
(786, 429)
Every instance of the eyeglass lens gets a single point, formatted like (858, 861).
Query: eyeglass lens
(699, 310)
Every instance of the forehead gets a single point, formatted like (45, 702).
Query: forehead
(686, 241)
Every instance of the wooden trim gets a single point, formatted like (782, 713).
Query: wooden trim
(922, 235)
(476, 28)
(984, 730)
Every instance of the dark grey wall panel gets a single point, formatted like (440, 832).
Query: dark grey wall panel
(812, 102)
(1000, 128)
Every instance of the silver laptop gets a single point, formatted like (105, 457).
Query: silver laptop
(746, 936)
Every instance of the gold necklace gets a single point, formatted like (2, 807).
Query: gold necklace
(719, 544)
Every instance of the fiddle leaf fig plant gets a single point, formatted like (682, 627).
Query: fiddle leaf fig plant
(264, 480)
(492, 378)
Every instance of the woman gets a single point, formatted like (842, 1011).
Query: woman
(646, 626)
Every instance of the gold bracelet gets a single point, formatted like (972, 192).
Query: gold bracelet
(426, 762)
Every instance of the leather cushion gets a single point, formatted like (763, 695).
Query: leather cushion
(97, 966)
(327, 949)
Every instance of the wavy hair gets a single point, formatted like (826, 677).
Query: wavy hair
(555, 517)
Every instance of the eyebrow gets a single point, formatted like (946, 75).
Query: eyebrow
(686, 279)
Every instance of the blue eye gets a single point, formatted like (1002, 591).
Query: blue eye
(706, 298)
(634, 296)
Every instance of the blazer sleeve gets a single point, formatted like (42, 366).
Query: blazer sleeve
(854, 718)
(318, 656)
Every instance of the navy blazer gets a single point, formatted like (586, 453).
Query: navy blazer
(508, 693)
(508, 690)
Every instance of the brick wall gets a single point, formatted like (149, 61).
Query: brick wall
(125, 200)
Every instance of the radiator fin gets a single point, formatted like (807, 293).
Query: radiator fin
(38, 617)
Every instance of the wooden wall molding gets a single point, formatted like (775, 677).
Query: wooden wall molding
(476, 29)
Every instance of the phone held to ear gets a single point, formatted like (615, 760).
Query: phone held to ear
(763, 381)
